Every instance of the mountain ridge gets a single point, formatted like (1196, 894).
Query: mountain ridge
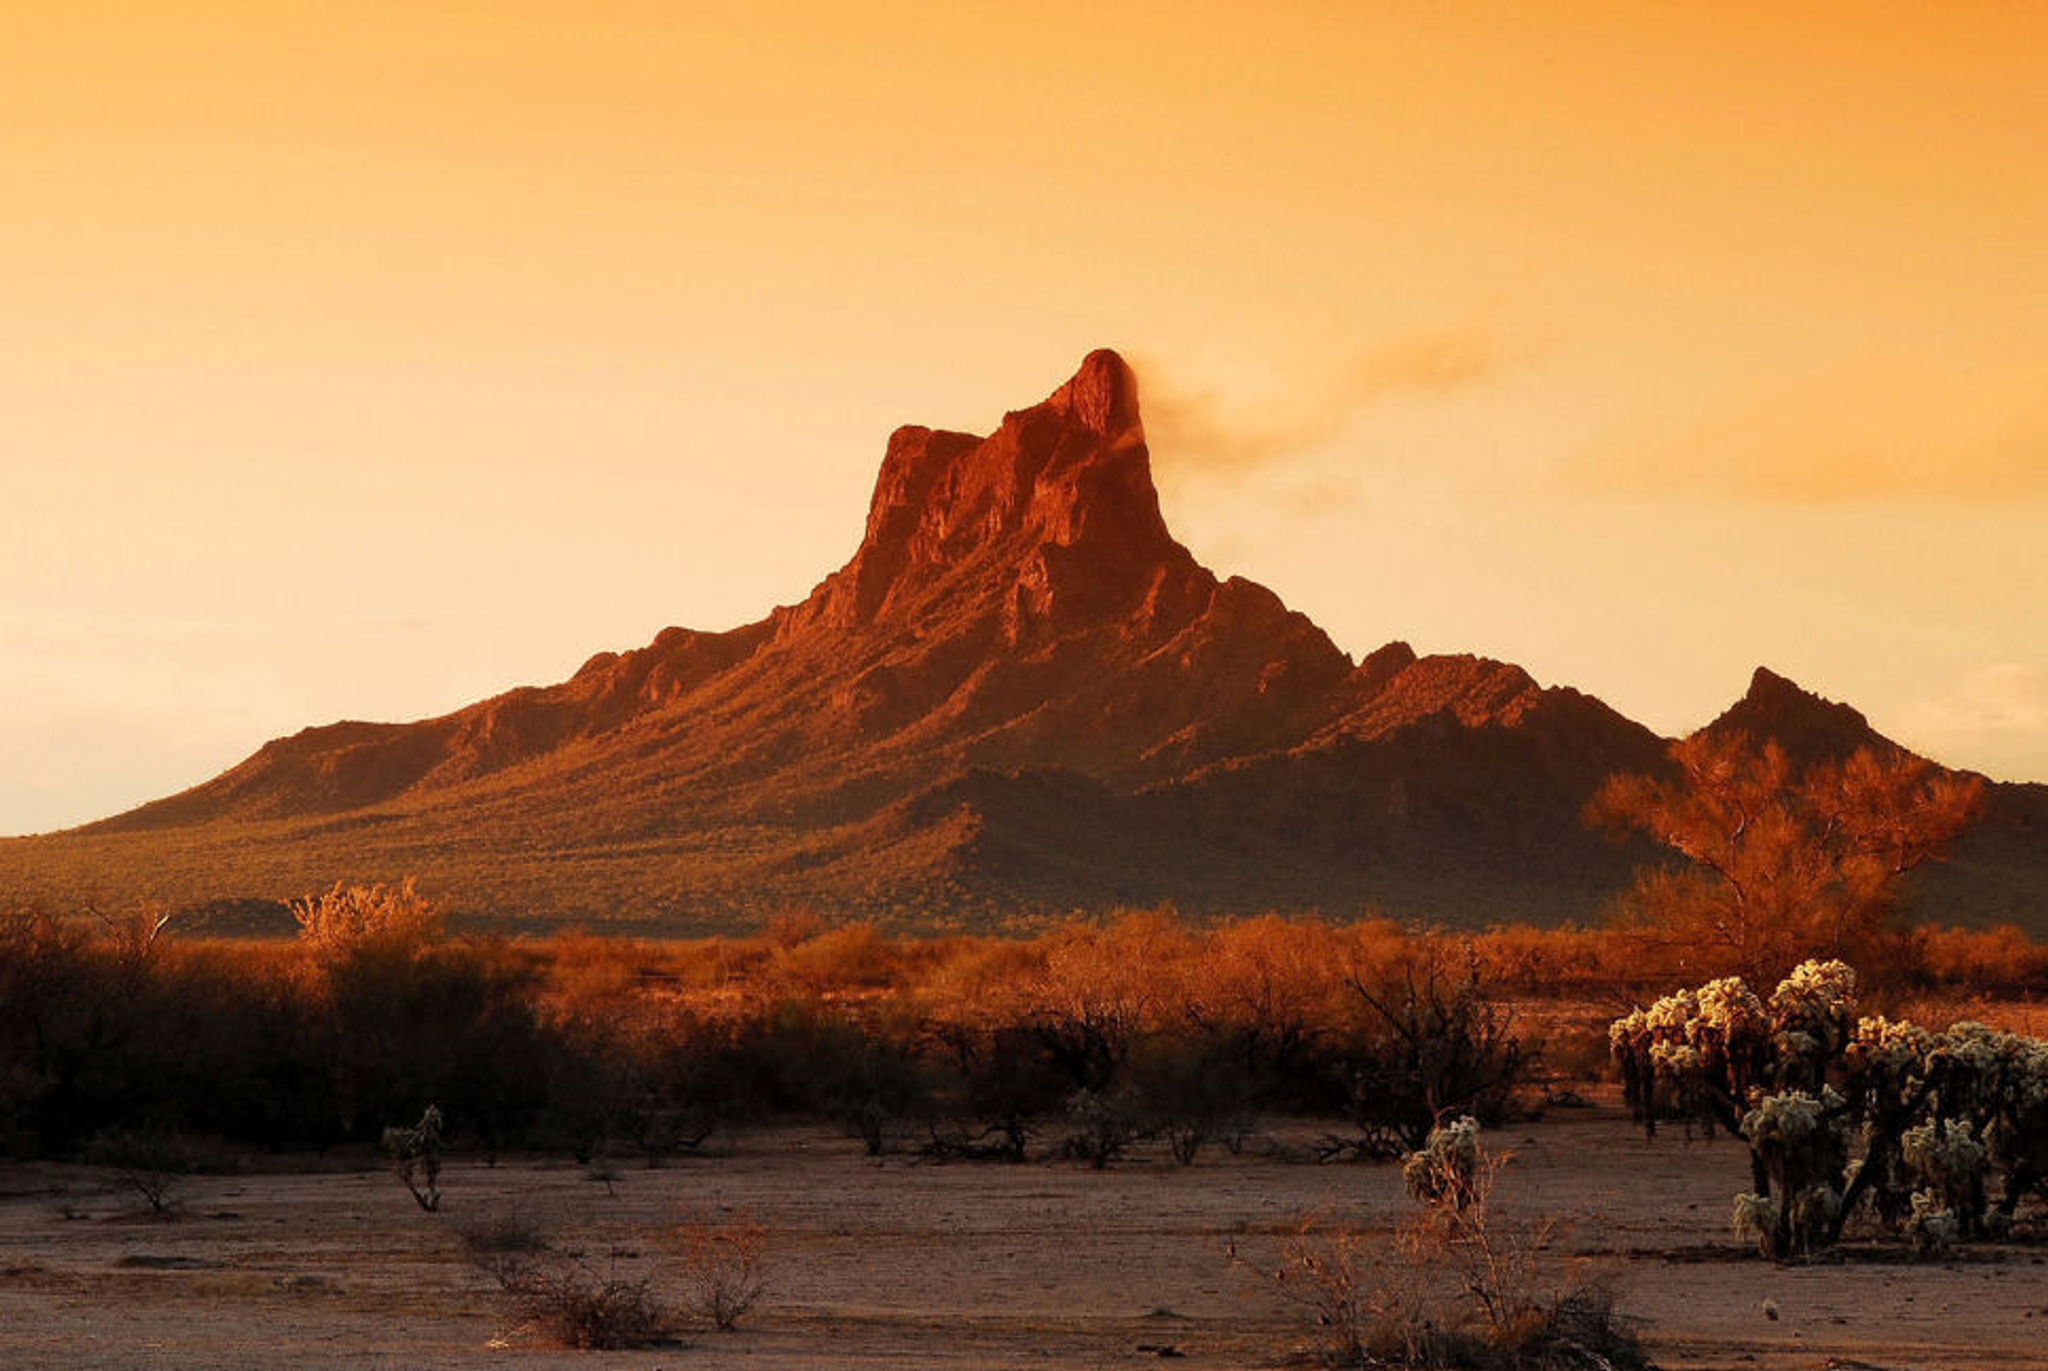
(1020, 693)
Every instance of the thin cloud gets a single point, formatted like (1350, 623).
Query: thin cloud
(1997, 718)
(1886, 429)
(1197, 432)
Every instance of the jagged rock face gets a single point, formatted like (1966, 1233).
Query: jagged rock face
(1019, 672)
(1056, 510)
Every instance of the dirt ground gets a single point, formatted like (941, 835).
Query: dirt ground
(904, 1264)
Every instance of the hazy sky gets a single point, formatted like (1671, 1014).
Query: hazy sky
(364, 359)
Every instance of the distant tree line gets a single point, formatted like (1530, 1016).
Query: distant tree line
(1082, 1042)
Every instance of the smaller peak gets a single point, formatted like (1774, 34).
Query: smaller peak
(1102, 395)
(1810, 727)
(1383, 664)
(1765, 683)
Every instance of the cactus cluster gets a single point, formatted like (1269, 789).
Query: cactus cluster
(1938, 1136)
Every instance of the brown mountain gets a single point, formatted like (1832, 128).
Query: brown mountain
(1020, 695)
(1810, 729)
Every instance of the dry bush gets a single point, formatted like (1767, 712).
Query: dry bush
(1102, 1126)
(724, 1267)
(569, 1301)
(1460, 1285)
(1437, 1043)
(837, 960)
(153, 1164)
(793, 926)
(352, 918)
(1332, 1271)
(2001, 961)
(507, 1230)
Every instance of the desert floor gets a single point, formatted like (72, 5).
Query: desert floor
(898, 1263)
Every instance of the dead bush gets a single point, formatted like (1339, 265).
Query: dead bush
(153, 1164)
(1459, 1285)
(724, 1267)
(569, 1301)
(505, 1230)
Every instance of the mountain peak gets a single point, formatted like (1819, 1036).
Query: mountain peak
(1102, 395)
(1059, 498)
(1767, 685)
(1809, 727)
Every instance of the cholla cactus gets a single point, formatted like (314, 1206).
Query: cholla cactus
(1447, 1169)
(1812, 1013)
(1947, 1156)
(1816, 992)
(416, 1156)
(1891, 1047)
(1800, 1144)
(1945, 1120)
(1756, 1216)
(1729, 1016)
(1930, 1224)
(1700, 1055)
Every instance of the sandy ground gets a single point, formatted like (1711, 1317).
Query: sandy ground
(901, 1264)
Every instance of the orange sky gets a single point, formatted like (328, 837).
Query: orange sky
(362, 360)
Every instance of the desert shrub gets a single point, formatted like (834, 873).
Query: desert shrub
(73, 1007)
(691, 1074)
(1193, 1088)
(994, 1084)
(455, 1023)
(1459, 1285)
(1330, 1271)
(154, 1163)
(723, 1267)
(1094, 996)
(1943, 1120)
(235, 1048)
(572, 1302)
(504, 1244)
(851, 957)
(2000, 961)
(792, 927)
(1434, 1042)
(509, 1229)
(860, 1068)
(1102, 1125)
(351, 919)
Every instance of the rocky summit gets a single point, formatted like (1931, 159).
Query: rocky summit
(1020, 696)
